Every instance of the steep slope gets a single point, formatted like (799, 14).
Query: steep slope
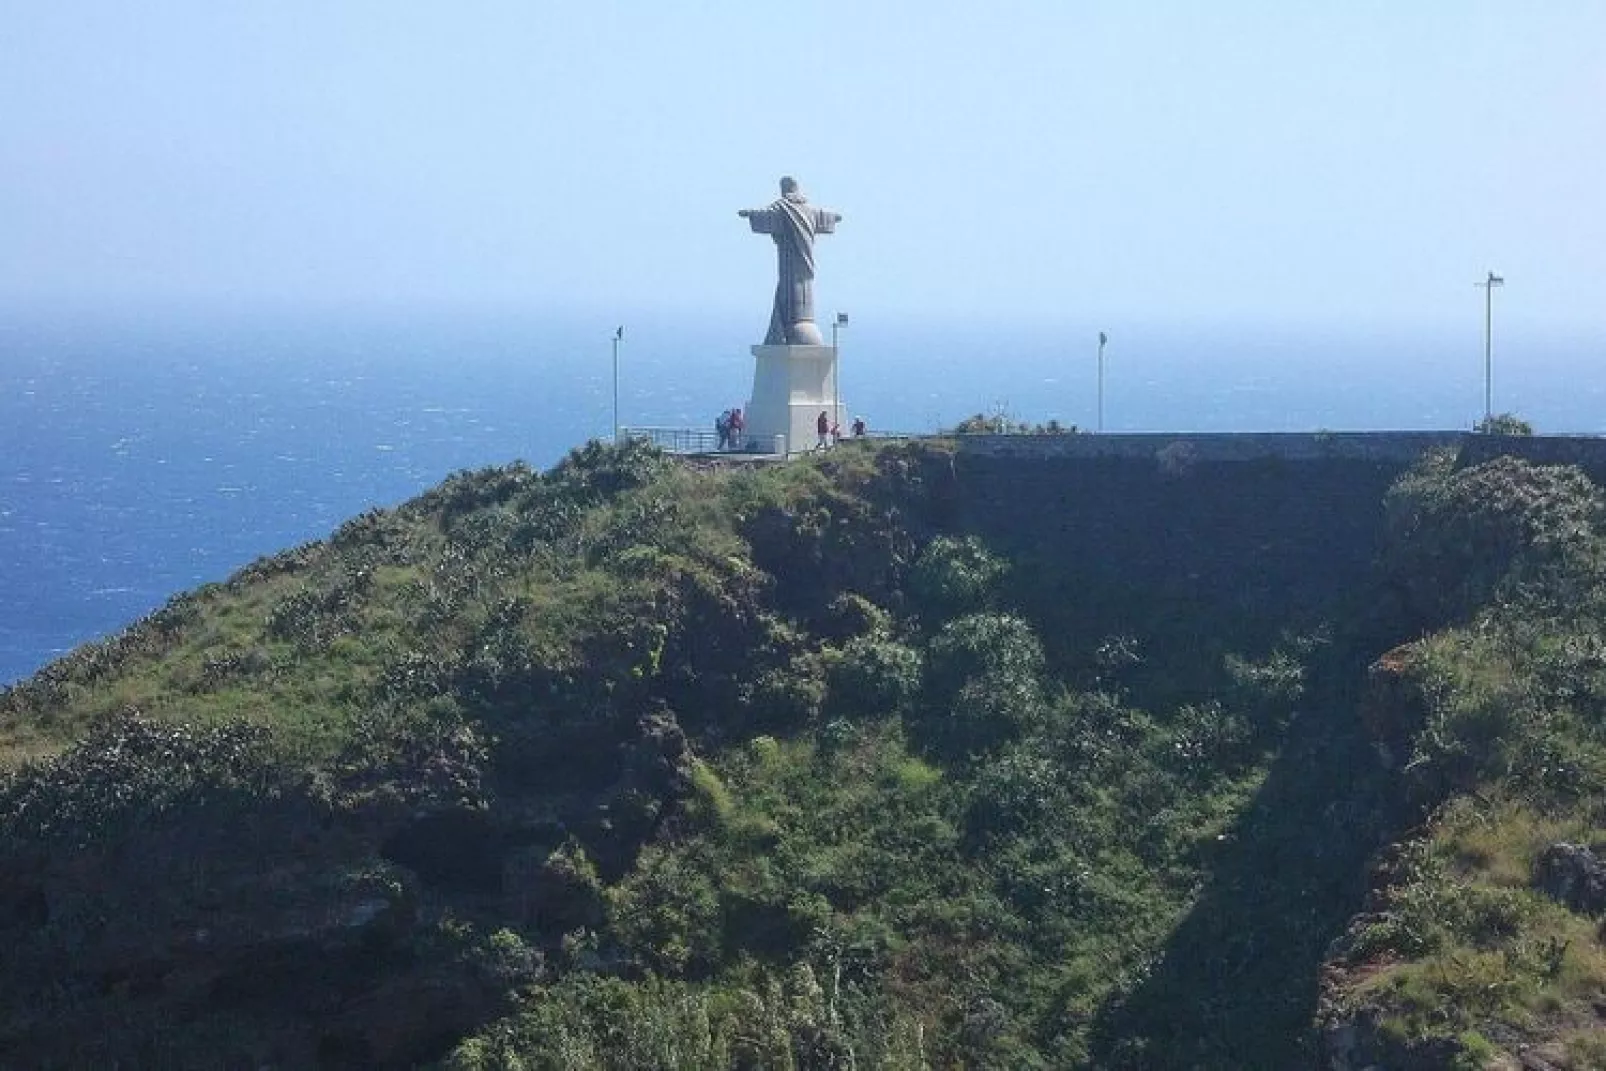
(906, 756)
(1481, 944)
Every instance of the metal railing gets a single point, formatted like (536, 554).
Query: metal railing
(700, 441)
(675, 440)
(706, 441)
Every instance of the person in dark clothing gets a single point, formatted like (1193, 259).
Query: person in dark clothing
(822, 427)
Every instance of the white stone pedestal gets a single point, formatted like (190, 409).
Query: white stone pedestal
(791, 385)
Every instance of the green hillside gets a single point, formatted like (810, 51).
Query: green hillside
(895, 757)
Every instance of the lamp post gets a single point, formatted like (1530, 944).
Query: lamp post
(1488, 286)
(837, 324)
(618, 336)
(1103, 338)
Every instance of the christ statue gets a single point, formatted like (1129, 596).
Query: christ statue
(793, 223)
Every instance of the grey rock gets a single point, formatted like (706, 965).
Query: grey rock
(1573, 875)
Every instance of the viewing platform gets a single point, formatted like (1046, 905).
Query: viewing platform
(703, 442)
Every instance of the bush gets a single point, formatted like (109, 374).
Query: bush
(133, 773)
(429, 753)
(790, 695)
(666, 914)
(955, 576)
(1267, 693)
(982, 424)
(983, 680)
(872, 678)
(1456, 538)
(597, 470)
(854, 615)
(1012, 796)
(998, 646)
(1503, 424)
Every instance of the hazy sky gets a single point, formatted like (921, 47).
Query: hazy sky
(1190, 163)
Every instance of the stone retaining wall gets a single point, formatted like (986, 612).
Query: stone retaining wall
(1587, 452)
(1177, 538)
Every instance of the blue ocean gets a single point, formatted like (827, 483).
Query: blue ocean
(141, 456)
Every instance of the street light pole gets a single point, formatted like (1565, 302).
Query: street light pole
(1489, 285)
(618, 336)
(837, 324)
(1103, 338)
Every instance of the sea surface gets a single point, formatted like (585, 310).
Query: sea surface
(142, 456)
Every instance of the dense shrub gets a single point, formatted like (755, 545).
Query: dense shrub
(600, 470)
(666, 915)
(425, 753)
(790, 695)
(131, 773)
(1495, 711)
(983, 680)
(872, 677)
(1458, 537)
(853, 615)
(469, 490)
(955, 576)
(1014, 795)
(981, 646)
(1503, 424)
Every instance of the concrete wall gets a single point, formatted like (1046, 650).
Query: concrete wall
(1178, 539)
(1587, 452)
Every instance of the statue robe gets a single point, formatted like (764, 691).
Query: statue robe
(792, 222)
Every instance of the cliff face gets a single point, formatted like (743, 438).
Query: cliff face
(1204, 558)
(1003, 753)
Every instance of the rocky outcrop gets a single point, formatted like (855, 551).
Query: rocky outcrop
(1391, 708)
(1356, 1043)
(1573, 875)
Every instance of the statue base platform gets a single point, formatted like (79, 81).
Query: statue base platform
(792, 385)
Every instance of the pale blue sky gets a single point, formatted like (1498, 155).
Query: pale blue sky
(1186, 163)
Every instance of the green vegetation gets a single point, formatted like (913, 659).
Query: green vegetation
(1503, 424)
(1464, 951)
(1002, 423)
(823, 765)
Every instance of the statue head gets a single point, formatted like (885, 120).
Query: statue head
(788, 185)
